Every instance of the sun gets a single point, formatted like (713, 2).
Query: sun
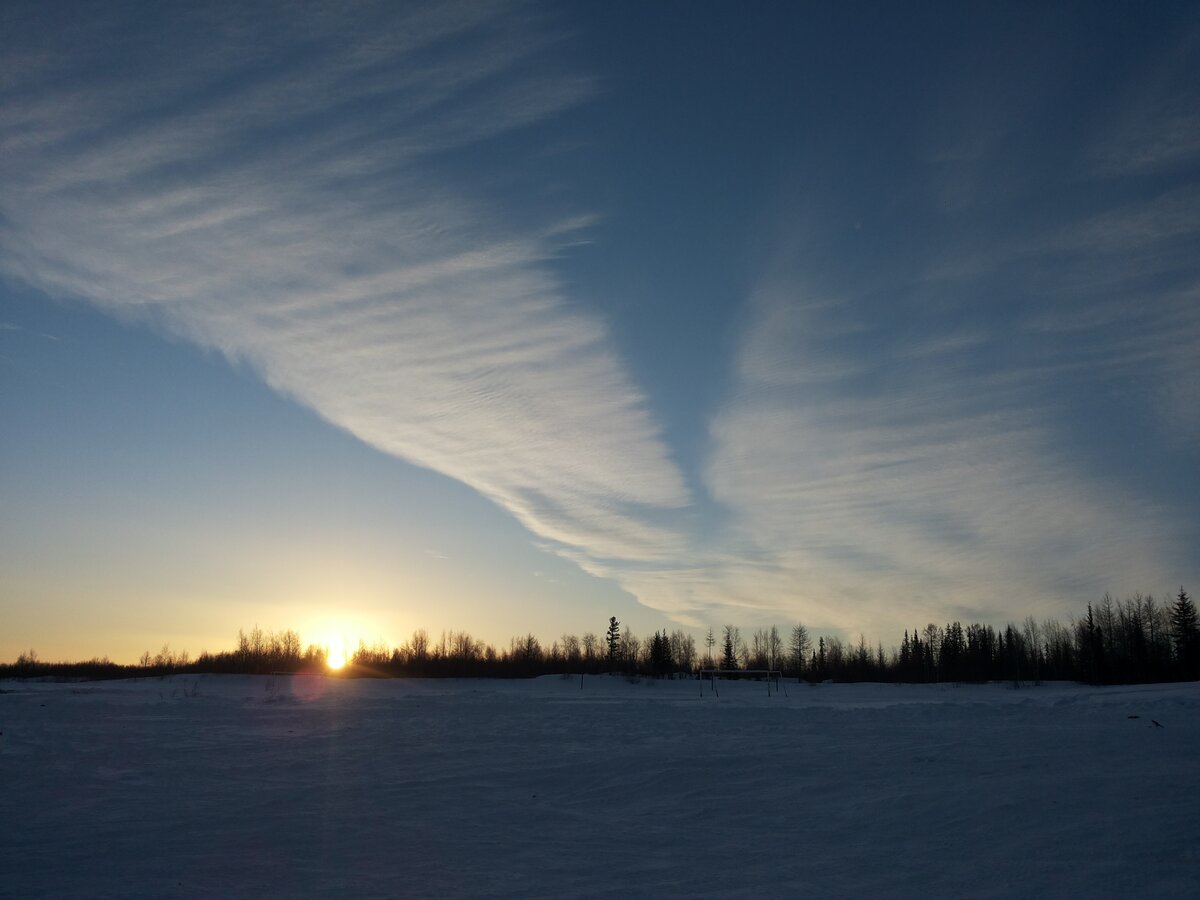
(335, 658)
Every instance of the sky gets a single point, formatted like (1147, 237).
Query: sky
(509, 317)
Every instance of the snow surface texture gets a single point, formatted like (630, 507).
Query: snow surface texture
(238, 786)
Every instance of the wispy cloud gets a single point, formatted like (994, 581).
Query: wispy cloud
(894, 490)
(305, 193)
(288, 204)
(887, 453)
(890, 454)
(1157, 127)
(14, 327)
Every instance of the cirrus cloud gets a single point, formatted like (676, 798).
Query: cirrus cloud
(285, 203)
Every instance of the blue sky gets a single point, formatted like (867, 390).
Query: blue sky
(511, 317)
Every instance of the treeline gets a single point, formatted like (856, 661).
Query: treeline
(1129, 641)
(456, 654)
(1117, 641)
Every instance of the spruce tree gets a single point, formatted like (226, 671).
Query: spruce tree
(1185, 629)
(613, 637)
(728, 655)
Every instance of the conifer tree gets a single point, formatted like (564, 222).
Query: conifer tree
(613, 637)
(728, 654)
(660, 653)
(1185, 629)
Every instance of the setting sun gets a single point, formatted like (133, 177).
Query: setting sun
(335, 657)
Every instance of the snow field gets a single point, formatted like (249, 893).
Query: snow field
(306, 786)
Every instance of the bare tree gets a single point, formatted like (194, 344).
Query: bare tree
(758, 649)
(591, 647)
(835, 656)
(464, 647)
(526, 649)
(1032, 632)
(631, 648)
(774, 648)
(418, 645)
(682, 651)
(799, 648)
(1107, 618)
(933, 643)
(571, 651)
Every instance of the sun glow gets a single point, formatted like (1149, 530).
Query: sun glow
(335, 656)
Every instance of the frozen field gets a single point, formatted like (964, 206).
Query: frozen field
(230, 786)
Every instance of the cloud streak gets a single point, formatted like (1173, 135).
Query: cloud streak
(888, 493)
(887, 452)
(286, 205)
(321, 197)
(1157, 128)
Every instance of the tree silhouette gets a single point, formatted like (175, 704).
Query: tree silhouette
(1117, 642)
(591, 647)
(613, 639)
(1186, 633)
(799, 647)
(728, 651)
(660, 653)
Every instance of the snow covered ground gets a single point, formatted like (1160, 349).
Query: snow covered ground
(230, 786)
